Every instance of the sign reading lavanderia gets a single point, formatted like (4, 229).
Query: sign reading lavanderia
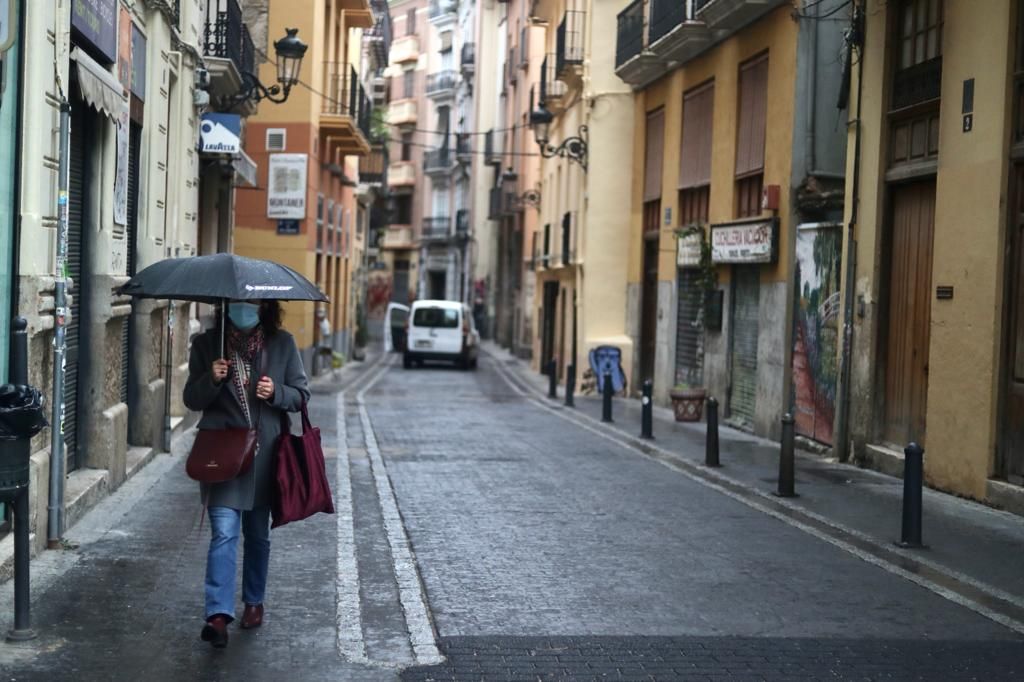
(95, 21)
(748, 242)
(286, 186)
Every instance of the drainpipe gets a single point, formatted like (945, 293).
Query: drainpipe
(843, 422)
(55, 507)
(15, 261)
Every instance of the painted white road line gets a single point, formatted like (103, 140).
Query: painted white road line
(410, 586)
(351, 644)
(671, 460)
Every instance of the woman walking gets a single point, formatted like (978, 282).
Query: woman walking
(261, 376)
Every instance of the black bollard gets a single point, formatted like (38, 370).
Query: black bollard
(570, 385)
(711, 442)
(647, 411)
(787, 462)
(606, 403)
(22, 630)
(553, 379)
(913, 482)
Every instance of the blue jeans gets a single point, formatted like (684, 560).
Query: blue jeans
(221, 561)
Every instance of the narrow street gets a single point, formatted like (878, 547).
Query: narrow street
(481, 535)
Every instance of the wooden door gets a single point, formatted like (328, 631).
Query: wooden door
(547, 339)
(912, 227)
(1012, 430)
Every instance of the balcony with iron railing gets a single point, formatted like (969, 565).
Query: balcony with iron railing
(654, 35)
(494, 210)
(462, 224)
(378, 39)
(436, 229)
(552, 91)
(443, 11)
(438, 161)
(468, 59)
(346, 109)
(727, 16)
(373, 169)
(229, 53)
(441, 85)
(570, 44)
(463, 148)
(493, 148)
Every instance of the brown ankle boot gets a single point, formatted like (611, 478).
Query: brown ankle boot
(216, 631)
(252, 617)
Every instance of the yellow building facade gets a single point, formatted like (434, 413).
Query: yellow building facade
(935, 187)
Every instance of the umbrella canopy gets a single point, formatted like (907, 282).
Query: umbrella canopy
(219, 277)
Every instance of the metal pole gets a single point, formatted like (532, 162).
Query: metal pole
(787, 463)
(913, 482)
(22, 630)
(570, 385)
(711, 440)
(168, 377)
(553, 379)
(647, 411)
(606, 404)
(55, 506)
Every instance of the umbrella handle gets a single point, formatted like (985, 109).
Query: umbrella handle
(223, 325)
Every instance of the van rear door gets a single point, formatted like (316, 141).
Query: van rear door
(436, 329)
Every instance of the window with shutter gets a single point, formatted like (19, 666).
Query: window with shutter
(750, 139)
(695, 154)
(654, 154)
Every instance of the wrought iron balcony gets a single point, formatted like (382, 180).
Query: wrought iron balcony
(732, 15)
(345, 104)
(438, 161)
(494, 211)
(463, 148)
(551, 89)
(630, 39)
(442, 84)
(569, 41)
(436, 228)
(468, 60)
(493, 147)
(229, 49)
(665, 16)
(378, 38)
(462, 223)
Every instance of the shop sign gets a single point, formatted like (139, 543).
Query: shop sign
(688, 251)
(752, 242)
(95, 21)
(220, 134)
(288, 227)
(286, 186)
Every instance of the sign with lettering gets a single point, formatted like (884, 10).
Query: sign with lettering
(220, 134)
(95, 22)
(688, 251)
(286, 186)
(752, 242)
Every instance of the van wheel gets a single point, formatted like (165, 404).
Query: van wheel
(406, 361)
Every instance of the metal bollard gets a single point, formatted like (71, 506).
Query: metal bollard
(647, 411)
(913, 482)
(711, 441)
(570, 385)
(606, 403)
(553, 379)
(22, 630)
(787, 461)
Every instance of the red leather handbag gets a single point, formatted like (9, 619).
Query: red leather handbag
(221, 455)
(300, 476)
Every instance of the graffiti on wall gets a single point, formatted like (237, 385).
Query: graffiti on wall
(378, 294)
(816, 329)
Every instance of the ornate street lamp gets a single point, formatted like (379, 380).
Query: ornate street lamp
(572, 148)
(531, 197)
(290, 51)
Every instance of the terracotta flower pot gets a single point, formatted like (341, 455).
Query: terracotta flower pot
(688, 403)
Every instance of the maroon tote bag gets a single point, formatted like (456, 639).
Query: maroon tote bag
(301, 487)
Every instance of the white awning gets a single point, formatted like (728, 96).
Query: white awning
(99, 87)
(245, 170)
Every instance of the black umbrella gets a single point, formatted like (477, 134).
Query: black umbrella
(219, 278)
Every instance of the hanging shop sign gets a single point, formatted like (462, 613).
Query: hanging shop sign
(95, 23)
(746, 242)
(286, 186)
(688, 251)
(220, 134)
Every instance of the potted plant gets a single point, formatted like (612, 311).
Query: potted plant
(688, 402)
(688, 398)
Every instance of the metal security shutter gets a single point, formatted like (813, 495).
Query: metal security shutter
(743, 394)
(131, 235)
(687, 333)
(76, 215)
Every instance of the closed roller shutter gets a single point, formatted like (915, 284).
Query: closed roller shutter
(687, 333)
(76, 216)
(743, 394)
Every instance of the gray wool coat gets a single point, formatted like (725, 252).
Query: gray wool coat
(222, 409)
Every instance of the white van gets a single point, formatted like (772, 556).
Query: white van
(441, 330)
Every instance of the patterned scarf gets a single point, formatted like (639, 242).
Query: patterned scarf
(244, 349)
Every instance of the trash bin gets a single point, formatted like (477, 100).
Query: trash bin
(21, 417)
